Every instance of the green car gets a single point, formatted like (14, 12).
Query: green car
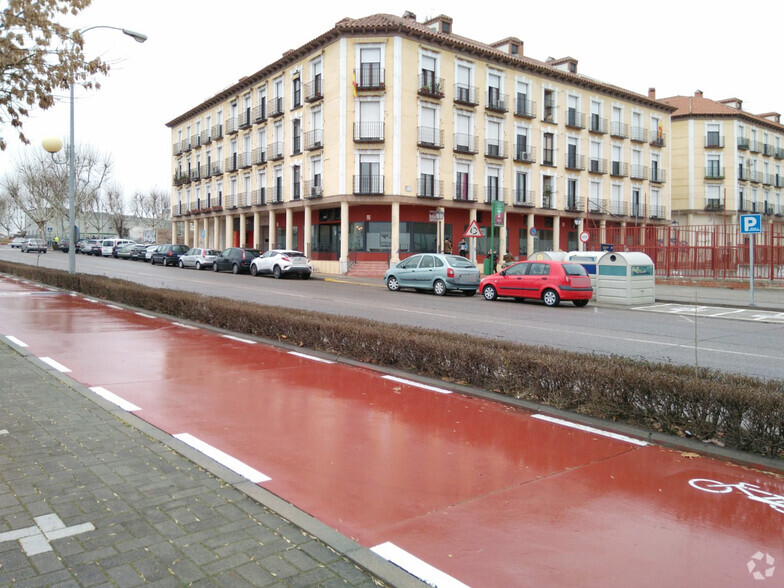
(434, 271)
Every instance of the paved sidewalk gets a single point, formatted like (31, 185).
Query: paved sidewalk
(93, 496)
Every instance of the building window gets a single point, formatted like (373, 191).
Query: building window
(549, 106)
(296, 91)
(296, 187)
(296, 136)
(370, 72)
(548, 150)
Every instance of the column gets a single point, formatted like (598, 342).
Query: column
(290, 229)
(257, 230)
(394, 254)
(228, 238)
(215, 233)
(306, 238)
(173, 232)
(529, 238)
(603, 231)
(502, 241)
(343, 237)
(623, 234)
(557, 233)
(243, 232)
(204, 239)
(273, 231)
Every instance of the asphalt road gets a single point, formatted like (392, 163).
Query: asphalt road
(751, 348)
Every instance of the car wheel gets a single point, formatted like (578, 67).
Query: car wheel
(198, 266)
(235, 269)
(489, 293)
(306, 276)
(393, 284)
(254, 270)
(276, 273)
(439, 288)
(182, 265)
(469, 292)
(152, 261)
(550, 297)
(580, 302)
(215, 267)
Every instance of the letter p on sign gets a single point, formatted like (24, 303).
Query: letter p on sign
(750, 223)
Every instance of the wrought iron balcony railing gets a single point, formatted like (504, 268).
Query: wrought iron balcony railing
(714, 204)
(466, 95)
(494, 193)
(260, 113)
(496, 101)
(430, 137)
(366, 184)
(714, 141)
(575, 119)
(368, 132)
(658, 211)
(574, 204)
(259, 156)
(230, 125)
(275, 151)
(575, 162)
(430, 85)
(496, 149)
(465, 143)
(525, 198)
(314, 139)
(638, 172)
(658, 176)
(525, 154)
(313, 91)
(597, 124)
(714, 173)
(429, 187)
(619, 129)
(639, 134)
(525, 108)
(369, 76)
(619, 169)
(313, 189)
(275, 107)
(465, 192)
(597, 165)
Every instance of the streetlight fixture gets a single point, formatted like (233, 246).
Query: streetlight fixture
(53, 145)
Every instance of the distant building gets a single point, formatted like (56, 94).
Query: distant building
(725, 161)
(346, 146)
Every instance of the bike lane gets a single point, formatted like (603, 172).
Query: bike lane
(488, 494)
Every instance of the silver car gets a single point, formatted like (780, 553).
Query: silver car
(436, 272)
(37, 245)
(198, 257)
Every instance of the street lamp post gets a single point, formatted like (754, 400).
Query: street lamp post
(50, 145)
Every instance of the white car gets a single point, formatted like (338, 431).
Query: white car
(17, 242)
(281, 262)
(109, 247)
(148, 253)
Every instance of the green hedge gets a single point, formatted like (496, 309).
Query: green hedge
(736, 411)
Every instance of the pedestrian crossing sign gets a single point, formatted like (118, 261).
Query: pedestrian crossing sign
(473, 230)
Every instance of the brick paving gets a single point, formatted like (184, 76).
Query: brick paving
(91, 496)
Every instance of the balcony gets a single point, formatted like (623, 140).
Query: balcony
(369, 76)
(755, 176)
(496, 101)
(204, 170)
(493, 193)
(245, 119)
(276, 195)
(658, 176)
(186, 144)
(206, 137)
(275, 151)
(260, 197)
(524, 198)
(619, 169)
(465, 143)
(658, 140)
(217, 132)
(230, 126)
(548, 115)
(177, 209)
(232, 163)
(743, 174)
(755, 146)
(313, 91)
(275, 107)
(177, 148)
(181, 178)
(246, 160)
(714, 173)
(639, 135)
(597, 206)
(496, 149)
(430, 86)
(778, 181)
(259, 156)
(430, 137)
(743, 143)
(714, 141)
(575, 119)
(767, 149)
(778, 153)
(767, 209)
(195, 174)
(714, 204)
(778, 210)
(548, 157)
(465, 192)
(744, 205)
(597, 165)
(369, 185)
(573, 204)
(619, 129)
(525, 108)
(657, 211)
(314, 139)
(260, 113)
(215, 169)
(767, 179)
(549, 199)
(369, 132)
(296, 144)
(429, 187)
(597, 124)
(575, 162)
(619, 208)
(196, 141)
(638, 172)
(525, 154)
(466, 95)
(244, 199)
(313, 189)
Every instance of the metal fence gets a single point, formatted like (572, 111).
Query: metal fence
(701, 251)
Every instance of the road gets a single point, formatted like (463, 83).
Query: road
(753, 348)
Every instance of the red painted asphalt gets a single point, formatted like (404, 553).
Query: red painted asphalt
(485, 493)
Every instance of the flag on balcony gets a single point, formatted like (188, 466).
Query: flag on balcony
(660, 130)
(354, 83)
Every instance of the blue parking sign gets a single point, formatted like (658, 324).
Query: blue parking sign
(750, 223)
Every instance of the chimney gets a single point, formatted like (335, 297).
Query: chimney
(652, 93)
(698, 94)
(409, 15)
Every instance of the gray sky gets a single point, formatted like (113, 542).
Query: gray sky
(198, 47)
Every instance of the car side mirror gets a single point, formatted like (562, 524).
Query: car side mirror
(502, 272)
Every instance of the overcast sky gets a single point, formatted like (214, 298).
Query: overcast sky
(198, 47)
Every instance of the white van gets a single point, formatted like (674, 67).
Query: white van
(108, 245)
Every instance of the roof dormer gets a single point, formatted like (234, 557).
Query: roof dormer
(511, 45)
(440, 24)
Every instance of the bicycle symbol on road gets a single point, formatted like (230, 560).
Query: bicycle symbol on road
(774, 501)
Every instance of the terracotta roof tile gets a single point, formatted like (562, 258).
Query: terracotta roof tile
(698, 106)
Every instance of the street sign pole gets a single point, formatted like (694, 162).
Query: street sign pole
(751, 224)
(751, 269)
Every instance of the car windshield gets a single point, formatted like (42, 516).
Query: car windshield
(457, 261)
(574, 269)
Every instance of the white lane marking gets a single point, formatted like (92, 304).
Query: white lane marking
(91, 300)
(240, 339)
(114, 399)
(16, 341)
(737, 310)
(427, 312)
(416, 567)
(3, 431)
(417, 384)
(224, 459)
(58, 366)
(311, 357)
(184, 326)
(114, 306)
(587, 429)
(145, 315)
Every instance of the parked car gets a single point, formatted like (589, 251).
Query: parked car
(168, 254)
(91, 246)
(282, 262)
(236, 259)
(124, 252)
(64, 245)
(37, 245)
(199, 258)
(139, 251)
(16, 242)
(548, 281)
(438, 272)
(110, 247)
(149, 251)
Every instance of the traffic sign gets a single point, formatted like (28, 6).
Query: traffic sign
(584, 236)
(473, 230)
(750, 224)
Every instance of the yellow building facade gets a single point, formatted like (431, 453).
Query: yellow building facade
(386, 136)
(725, 161)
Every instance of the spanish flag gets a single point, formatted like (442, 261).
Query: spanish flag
(354, 83)
(661, 130)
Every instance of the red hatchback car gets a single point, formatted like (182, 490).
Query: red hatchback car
(549, 281)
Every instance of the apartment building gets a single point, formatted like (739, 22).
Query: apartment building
(725, 161)
(385, 135)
